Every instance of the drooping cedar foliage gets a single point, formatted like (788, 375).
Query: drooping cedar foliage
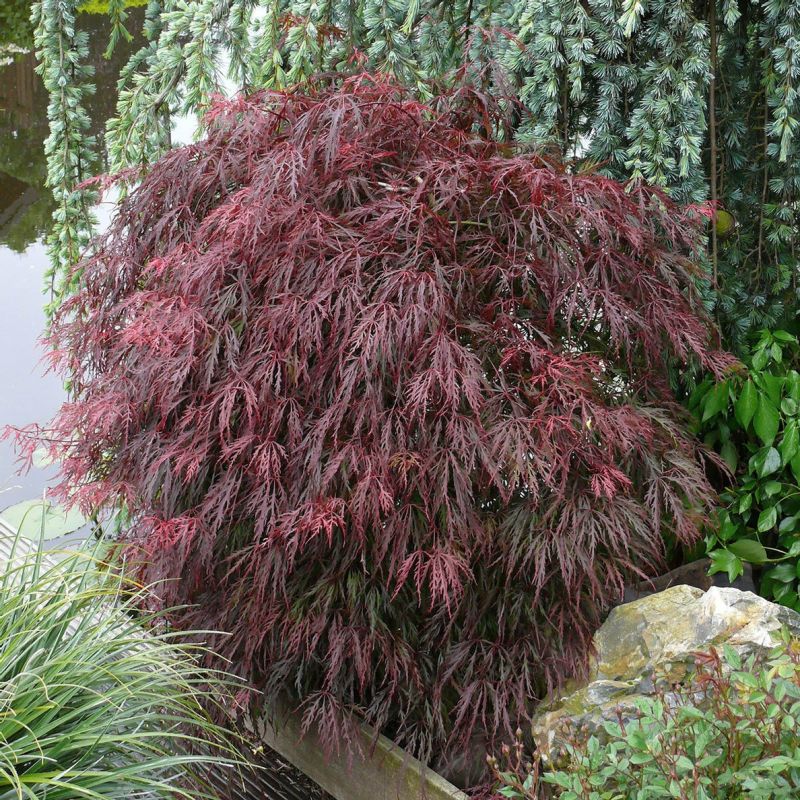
(388, 404)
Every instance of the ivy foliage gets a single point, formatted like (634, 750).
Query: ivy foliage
(753, 420)
(626, 85)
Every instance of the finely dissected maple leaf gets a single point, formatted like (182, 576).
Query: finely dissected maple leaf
(388, 405)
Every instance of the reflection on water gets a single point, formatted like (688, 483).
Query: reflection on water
(25, 207)
(25, 204)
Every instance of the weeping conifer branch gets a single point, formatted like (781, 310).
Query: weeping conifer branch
(62, 51)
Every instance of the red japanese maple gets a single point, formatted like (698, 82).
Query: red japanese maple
(388, 404)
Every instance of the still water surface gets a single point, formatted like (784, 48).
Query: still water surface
(27, 394)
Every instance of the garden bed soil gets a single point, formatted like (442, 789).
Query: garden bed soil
(273, 778)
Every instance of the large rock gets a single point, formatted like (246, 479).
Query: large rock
(653, 638)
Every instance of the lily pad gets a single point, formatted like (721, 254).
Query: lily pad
(31, 516)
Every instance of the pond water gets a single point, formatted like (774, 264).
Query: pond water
(28, 395)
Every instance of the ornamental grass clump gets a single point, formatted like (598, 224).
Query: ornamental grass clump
(95, 703)
(386, 402)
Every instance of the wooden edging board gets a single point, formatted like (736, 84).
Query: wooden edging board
(386, 772)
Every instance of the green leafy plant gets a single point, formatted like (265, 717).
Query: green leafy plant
(731, 733)
(752, 419)
(15, 23)
(92, 705)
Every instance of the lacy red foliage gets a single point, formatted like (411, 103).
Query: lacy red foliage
(388, 403)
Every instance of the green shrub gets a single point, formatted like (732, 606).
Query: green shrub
(731, 733)
(753, 420)
(92, 706)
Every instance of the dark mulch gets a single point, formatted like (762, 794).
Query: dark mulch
(274, 779)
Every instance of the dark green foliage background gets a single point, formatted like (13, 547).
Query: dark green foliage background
(15, 23)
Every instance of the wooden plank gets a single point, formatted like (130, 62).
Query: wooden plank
(390, 773)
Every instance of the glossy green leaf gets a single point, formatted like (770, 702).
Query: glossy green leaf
(767, 519)
(745, 503)
(789, 406)
(784, 573)
(760, 358)
(725, 561)
(773, 386)
(790, 443)
(784, 593)
(788, 524)
(749, 550)
(730, 456)
(732, 656)
(746, 404)
(728, 529)
(793, 385)
(685, 764)
(698, 395)
(716, 400)
(766, 419)
(768, 461)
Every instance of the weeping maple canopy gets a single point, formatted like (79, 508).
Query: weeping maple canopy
(388, 404)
